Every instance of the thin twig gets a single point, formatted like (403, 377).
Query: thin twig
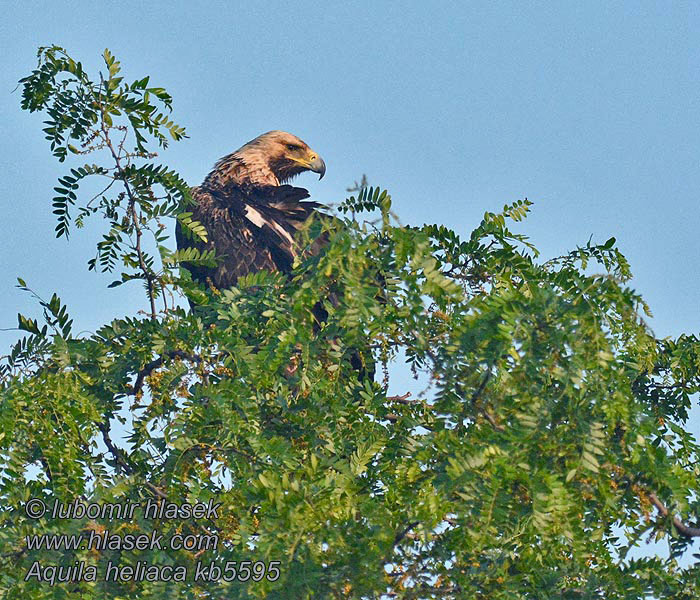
(148, 275)
(114, 180)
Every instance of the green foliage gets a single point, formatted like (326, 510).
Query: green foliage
(192, 229)
(117, 119)
(528, 468)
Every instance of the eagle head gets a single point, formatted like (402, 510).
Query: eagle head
(279, 154)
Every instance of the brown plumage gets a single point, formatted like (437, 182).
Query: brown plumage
(249, 215)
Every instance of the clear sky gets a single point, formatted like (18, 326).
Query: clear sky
(590, 109)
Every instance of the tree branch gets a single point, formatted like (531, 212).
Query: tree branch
(681, 527)
(401, 399)
(158, 362)
(122, 461)
(404, 532)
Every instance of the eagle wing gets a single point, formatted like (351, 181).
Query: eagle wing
(250, 227)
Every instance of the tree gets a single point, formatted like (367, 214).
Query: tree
(548, 442)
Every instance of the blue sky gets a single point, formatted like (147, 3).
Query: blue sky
(589, 109)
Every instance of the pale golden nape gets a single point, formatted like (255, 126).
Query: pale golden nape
(270, 159)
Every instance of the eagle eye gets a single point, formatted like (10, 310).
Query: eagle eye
(293, 147)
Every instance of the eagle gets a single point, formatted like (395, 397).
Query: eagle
(249, 212)
(251, 216)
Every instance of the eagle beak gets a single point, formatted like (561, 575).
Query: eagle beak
(317, 165)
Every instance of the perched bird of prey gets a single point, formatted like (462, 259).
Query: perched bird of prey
(249, 214)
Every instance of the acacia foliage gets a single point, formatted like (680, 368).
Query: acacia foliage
(549, 434)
